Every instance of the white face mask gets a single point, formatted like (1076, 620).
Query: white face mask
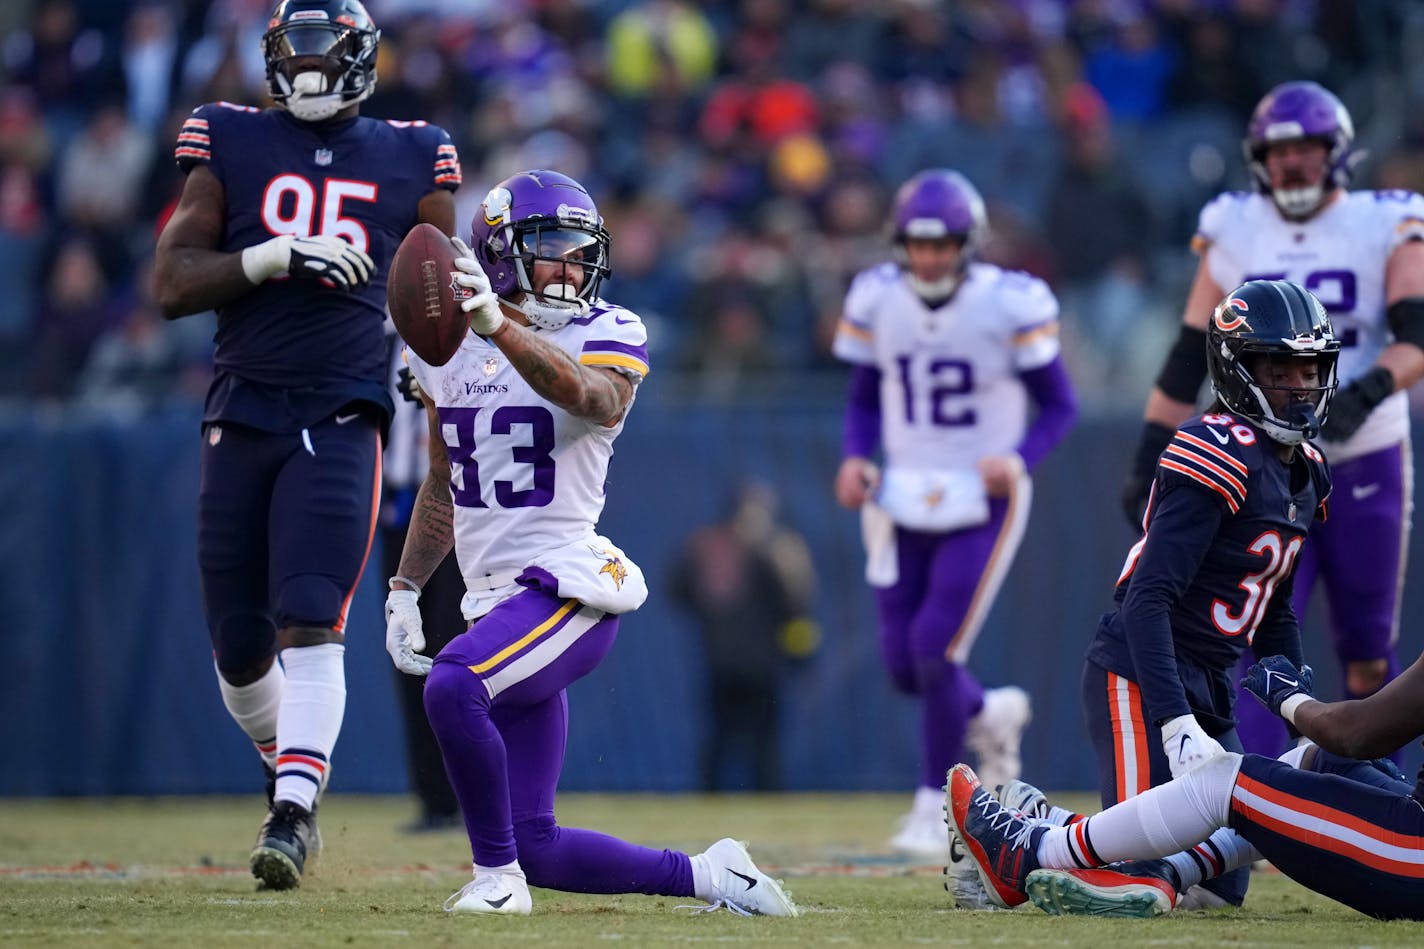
(939, 289)
(310, 100)
(555, 313)
(1297, 203)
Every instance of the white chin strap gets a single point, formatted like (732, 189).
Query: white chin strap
(309, 99)
(552, 314)
(939, 289)
(1298, 202)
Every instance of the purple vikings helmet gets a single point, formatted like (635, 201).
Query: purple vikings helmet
(1300, 110)
(338, 30)
(934, 204)
(541, 216)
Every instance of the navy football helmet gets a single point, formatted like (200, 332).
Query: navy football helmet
(544, 216)
(339, 31)
(1256, 323)
(1293, 111)
(938, 203)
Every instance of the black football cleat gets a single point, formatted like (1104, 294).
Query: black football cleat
(288, 836)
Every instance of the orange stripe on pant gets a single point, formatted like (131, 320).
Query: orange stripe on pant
(1129, 728)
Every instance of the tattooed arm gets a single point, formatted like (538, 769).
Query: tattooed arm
(431, 534)
(592, 392)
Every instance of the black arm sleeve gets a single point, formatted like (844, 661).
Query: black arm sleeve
(1182, 375)
(1406, 320)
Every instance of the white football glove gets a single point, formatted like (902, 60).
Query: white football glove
(1187, 745)
(405, 633)
(312, 257)
(483, 307)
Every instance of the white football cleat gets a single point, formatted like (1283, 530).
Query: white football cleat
(922, 833)
(995, 733)
(738, 884)
(497, 892)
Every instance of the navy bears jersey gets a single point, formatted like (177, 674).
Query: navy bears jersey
(1212, 571)
(290, 352)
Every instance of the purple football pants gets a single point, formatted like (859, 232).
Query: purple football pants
(1357, 554)
(930, 618)
(496, 701)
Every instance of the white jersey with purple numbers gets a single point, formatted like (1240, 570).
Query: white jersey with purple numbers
(526, 477)
(1340, 256)
(950, 391)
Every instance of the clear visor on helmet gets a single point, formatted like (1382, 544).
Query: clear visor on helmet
(313, 39)
(561, 244)
(569, 249)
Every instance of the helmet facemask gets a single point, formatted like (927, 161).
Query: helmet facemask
(568, 248)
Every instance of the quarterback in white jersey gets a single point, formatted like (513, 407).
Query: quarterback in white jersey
(948, 357)
(522, 423)
(1361, 253)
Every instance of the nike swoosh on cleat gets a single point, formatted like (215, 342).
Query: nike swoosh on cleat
(499, 902)
(343, 419)
(750, 881)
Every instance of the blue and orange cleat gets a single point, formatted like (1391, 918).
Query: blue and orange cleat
(1132, 889)
(1002, 842)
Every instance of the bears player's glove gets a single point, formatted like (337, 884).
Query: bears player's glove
(405, 632)
(314, 258)
(1187, 745)
(1275, 681)
(1353, 403)
(483, 306)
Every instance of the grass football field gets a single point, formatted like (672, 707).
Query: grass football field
(172, 872)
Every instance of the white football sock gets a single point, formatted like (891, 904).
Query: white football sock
(254, 707)
(313, 705)
(1159, 822)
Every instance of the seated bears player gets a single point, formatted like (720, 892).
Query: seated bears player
(1235, 494)
(286, 226)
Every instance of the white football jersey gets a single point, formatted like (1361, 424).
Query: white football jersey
(950, 391)
(526, 477)
(1340, 256)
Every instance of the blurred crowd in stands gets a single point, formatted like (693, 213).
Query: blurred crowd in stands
(743, 153)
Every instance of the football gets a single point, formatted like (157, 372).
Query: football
(422, 296)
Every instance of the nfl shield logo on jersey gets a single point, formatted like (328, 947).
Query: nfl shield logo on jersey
(491, 366)
(323, 156)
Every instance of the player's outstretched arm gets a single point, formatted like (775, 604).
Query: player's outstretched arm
(591, 392)
(190, 276)
(1370, 727)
